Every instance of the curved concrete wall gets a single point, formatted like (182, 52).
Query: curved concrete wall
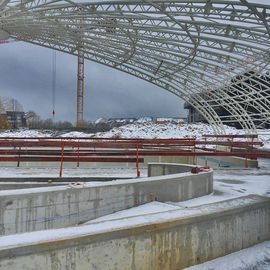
(171, 240)
(158, 169)
(34, 209)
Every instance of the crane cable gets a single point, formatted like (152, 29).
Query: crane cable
(53, 80)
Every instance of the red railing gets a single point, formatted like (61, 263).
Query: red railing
(71, 149)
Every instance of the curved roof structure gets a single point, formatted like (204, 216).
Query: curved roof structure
(195, 49)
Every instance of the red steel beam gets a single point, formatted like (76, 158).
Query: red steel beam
(122, 145)
(137, 140)
(101, 154)
(84, 144)
(69, 159)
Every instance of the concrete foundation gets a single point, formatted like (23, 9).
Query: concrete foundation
(35, 209)
(171, 240)
(58, 180)
(214, 162)
(147, 159)
(158, 169)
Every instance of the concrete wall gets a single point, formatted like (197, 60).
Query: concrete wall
(37, 182)
(166, 241)
(147, 159)
(45, 208)
(158, 169)
(60, 180)
(214, 162)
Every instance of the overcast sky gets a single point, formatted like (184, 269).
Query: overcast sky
(26, 74)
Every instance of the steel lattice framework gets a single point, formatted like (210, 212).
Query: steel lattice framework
(192, 48)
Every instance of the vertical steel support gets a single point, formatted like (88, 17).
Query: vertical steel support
(62, 158)
(78, 162)
(194, 150)
(137, 161)
(80, 88)
(18, 164)
(53, 81)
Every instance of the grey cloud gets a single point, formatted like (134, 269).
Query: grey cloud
(26, 74)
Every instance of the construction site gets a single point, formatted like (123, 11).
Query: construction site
(145, 196)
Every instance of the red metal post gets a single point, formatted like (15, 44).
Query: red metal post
(137, 162)
(18, 164)
(62, 157)
(194, 149)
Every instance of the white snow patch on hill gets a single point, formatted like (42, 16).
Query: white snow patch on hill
(145, 130)
(149, 130)
(25, 133)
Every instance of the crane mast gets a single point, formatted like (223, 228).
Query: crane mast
(80, 75)
(80, 88)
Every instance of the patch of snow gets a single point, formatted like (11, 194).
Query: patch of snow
(229, 184)
(25, 133)
(255, 258)
(148, 208)
(20, 172)
(77, 134)
(150, 130)
(100, 120)
(145, 120)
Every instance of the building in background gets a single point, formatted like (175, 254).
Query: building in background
(16, 119)
(12, 111)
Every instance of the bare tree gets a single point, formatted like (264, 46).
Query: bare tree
(4, 124)
(32, 119)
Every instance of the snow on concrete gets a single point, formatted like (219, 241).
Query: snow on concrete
(253, 258)
(22, 239)
(93, 184)
(233, 183)
(158, 207)
(126, 221)
(148, 208)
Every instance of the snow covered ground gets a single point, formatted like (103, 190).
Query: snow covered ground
(233, 183)
(253, 258)
(144, 130)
